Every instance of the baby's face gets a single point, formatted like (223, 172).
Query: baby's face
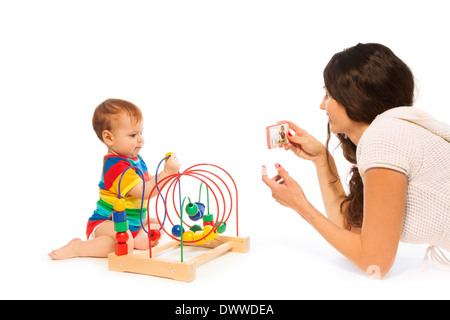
(127, 137)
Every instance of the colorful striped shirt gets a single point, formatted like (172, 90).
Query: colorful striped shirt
(113, 167)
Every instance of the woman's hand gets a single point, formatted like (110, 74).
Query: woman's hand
(172, 165)
(305, 145)
(285, 190)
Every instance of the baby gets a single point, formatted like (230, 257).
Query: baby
(119, 125)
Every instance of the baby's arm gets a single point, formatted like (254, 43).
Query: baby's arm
(171, 166)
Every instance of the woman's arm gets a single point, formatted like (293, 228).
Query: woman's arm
(331, 189)
(307, 147)
(384, 204)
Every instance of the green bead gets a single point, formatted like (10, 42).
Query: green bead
(222, 227)
(208, 218)
(191, 209)
(195, 228)
(121, 226)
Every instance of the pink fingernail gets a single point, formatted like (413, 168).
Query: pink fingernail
(277, 165)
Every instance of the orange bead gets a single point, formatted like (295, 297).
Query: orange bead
(120, 205)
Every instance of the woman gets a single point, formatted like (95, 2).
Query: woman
(399, 188)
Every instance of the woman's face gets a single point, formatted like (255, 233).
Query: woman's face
(337, 116)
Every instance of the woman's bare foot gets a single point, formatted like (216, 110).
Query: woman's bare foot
(66, 252)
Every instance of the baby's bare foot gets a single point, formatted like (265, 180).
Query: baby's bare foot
(66, 252)
(141, 242)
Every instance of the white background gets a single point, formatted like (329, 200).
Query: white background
(209, 77)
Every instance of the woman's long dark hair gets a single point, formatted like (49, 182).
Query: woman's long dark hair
(366, 80)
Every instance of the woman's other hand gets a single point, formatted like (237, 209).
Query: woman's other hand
(285, 190)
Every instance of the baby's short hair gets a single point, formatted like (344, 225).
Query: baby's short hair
(109, 110)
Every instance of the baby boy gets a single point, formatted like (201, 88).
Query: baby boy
(119, 125)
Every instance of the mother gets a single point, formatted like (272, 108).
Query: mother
(399, 188)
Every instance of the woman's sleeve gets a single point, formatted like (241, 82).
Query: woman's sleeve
(389, 143)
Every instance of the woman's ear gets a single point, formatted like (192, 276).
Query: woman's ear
(108, 137)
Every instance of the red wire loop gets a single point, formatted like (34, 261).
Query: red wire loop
(202, 175)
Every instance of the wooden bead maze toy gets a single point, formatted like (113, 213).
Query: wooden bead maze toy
(208, 235)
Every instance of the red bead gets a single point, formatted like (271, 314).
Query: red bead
(154, 234)
(208, 223)
(122, 237)
(121, 249)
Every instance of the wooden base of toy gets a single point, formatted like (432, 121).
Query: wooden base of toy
(181, 271)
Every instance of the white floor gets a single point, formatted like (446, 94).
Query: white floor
(293, 264)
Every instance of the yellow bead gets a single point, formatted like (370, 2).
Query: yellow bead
(168, 154)
(188, 235)
(120, 205)
(198, 237)
(211, 235)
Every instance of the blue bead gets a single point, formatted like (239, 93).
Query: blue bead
(120, 216)
(176, 231)
(198, 216)
(201, 207)
(201, 210)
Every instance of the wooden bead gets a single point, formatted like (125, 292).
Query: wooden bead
(121, 226)
(188, 235)
(208, 218)
(211, 235)
(201, 207)
(196, 217)
(154, 234)
(176, 231)
(198, 237)
(121, 249)
(119, 216)
(168, 154)
(119, 205)
(122, 237)
(195, 228)
(191, 209)
(209, 223)
(222, 227)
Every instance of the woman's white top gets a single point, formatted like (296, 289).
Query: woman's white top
(410, 141)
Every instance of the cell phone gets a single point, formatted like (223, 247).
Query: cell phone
(277, 135)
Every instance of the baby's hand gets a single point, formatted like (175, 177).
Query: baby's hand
(172, 165)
